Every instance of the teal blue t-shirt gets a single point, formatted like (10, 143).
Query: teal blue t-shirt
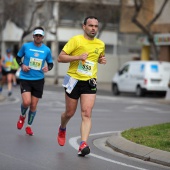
(34, 57)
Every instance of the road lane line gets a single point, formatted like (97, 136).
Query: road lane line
(75, 145)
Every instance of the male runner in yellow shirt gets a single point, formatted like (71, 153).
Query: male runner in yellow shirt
(83, 52)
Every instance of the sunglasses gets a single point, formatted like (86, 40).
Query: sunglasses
(38, 35)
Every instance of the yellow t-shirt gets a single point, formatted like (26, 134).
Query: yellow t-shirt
(78, 45)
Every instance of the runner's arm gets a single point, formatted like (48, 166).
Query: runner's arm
(102, 59)
(50, 66)
(66, 58)
(19, 61)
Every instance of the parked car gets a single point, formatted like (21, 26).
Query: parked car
(141, 77)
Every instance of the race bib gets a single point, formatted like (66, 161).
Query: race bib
(8, 66)
(35, 63)
(85, 67)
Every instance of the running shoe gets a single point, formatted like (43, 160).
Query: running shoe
(29, 131)
(84, 149)
(61, 137)
(9, 93)
(20, 122)
(14, 84)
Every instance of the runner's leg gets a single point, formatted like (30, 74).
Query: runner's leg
(71, 106)
(9, 81)
(87, 102)
(32, 111)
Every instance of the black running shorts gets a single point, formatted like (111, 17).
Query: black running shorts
(4, 73)
(82, 87)
(34, 86)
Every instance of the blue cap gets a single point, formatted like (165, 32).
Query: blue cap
(8, 50)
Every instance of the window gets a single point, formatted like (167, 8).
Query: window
(124, 70)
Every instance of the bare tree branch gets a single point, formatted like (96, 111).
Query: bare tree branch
(157, 15)
(138, 7)
(29, 30)
(147, 29)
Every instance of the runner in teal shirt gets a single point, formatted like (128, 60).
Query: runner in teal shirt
(32, 58)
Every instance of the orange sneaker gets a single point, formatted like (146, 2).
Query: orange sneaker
(61, 137)
(20, 122)
(29, 131)
(84, 149)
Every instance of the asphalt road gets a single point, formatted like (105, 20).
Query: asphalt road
(42, 152)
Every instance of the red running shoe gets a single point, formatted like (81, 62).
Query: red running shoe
(20, 122)
(84, 149)
(29, 131)
(61, 137)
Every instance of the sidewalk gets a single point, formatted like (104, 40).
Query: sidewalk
(120, 144)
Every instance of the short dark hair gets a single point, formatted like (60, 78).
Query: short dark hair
(89, 17)
(41, 28)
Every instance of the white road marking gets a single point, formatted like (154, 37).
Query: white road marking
(151, 109)
(75, 145)
(131, 107)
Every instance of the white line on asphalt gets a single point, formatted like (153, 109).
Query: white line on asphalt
(74, 144)
(131, 107)
(155, 110)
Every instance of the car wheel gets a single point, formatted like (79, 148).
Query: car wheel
(115, 89)
(139, 91)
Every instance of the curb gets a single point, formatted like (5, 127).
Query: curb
(122, 145)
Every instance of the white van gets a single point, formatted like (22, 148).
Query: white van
(141, 77)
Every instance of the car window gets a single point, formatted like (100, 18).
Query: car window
(124, 70)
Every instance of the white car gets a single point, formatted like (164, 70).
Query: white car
(141, 77)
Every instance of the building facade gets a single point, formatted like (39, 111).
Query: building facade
(160, 28)
(63, 19)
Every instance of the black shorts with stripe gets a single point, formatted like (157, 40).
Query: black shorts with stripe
(82, 87)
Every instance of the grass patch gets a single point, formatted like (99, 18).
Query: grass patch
(156, 136)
